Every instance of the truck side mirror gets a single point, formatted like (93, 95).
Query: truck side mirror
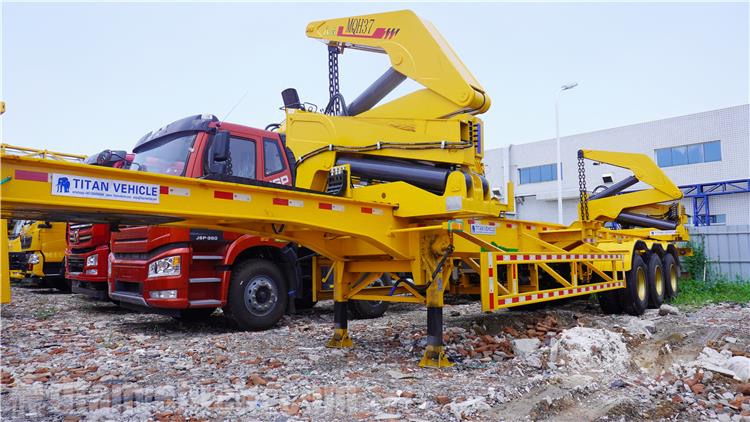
(219, 153)
(104, 157)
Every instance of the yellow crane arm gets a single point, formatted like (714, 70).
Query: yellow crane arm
(416, 50)
(644, 170)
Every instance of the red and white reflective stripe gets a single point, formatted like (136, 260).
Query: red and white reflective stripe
(373, 211)
(510, 225)
(551, 257)
(491, 278)
(559, 293)
(33, 176)
(514, 278)
(218, 194)
(330, 207)
(288, 202)
(530, 227)
(475, 221)
(168, 190)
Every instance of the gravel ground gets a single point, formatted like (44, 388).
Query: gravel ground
(65, 357)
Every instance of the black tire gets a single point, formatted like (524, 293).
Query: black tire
(257, 295)
(610, 301)
(369, 309)
(671, 271)
(635, 294)
(656, 284)
(195, 314)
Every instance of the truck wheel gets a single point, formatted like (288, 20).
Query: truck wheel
(195, 314)
(671, 272)
(369, 309)
(257, 295)
(656, 288)
(635, 294)
(610, 301)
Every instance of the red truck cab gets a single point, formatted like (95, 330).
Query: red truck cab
(188, 273)
(88, 244)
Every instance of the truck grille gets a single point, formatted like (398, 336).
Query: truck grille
(128, 287)
(79, 233)
(75, 264)
(17, 260)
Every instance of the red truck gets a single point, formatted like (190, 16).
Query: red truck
(189, 273)
(88, 244)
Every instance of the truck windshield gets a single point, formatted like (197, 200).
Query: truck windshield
(168, 155)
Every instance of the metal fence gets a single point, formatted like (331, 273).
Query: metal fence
(727, 249)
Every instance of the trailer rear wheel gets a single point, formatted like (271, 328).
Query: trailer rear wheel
(369, 309)
(656, 284)
(610, 301)
(257, 295)
(671, 273)
(635, 294)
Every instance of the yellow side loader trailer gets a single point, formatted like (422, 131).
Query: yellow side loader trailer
(396, 188)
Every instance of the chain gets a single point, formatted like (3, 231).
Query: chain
(584, 195)
(333, 81)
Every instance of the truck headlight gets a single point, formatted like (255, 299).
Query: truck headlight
(163, 294)
(168, 266)
(32, 259)
(92, 260)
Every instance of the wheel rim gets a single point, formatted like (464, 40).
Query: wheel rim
(641, 283)
(659, 280)
(673, 277)
(377, 283)
(260, 295)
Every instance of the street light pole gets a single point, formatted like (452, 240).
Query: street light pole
(557, 136)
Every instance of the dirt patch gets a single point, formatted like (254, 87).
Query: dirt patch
(67, 357)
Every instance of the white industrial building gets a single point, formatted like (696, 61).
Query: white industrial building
(710, 148)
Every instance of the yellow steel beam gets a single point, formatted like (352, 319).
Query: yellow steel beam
(415, 49)
(4, 264)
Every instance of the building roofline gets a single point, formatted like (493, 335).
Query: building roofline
(623, 126)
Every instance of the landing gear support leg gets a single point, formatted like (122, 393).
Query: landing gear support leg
(434, 355)
(340, 337)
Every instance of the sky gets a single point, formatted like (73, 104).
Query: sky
(85, 77)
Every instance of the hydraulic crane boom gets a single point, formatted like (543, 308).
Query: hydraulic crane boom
(638, 207)
(416, 50)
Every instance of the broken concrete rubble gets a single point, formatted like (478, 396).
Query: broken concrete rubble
(111, 364)
(590, 349)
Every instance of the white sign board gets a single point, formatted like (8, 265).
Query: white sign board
(483, 229)
(116, 190)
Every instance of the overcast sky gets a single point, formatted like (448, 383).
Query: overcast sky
(84, 77)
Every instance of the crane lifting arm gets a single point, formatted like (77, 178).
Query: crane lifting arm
(629, 208)
(416, 50)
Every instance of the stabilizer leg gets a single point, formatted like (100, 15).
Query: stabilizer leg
(340, 337)
(434, 354)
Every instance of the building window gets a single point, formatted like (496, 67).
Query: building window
(714, 219)
(536, 174)
(689, 154)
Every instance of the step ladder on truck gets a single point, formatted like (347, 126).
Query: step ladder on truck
(399, 188)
